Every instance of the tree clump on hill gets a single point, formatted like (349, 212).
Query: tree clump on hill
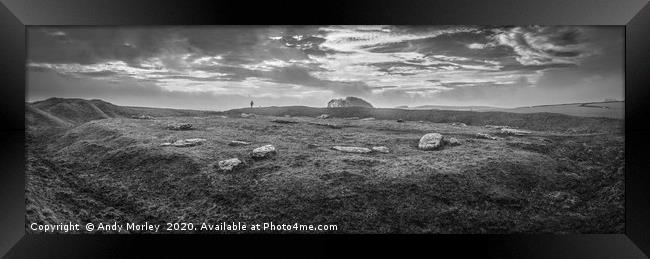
(348, 102)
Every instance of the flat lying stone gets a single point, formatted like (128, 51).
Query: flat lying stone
(333, 126)
(495, 126)
(324, 116)
(515, 132)
(381, 149)
(360, 150)
(182, 126)
(238, 143)
(190, 142)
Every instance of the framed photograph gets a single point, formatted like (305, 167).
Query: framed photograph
(513, 127)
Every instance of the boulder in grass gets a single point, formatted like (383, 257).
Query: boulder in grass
(264, 152)
(359, 150)
(247, 115)
(230, 164)
(485, 136)
(324, 116)
(431, 141)
(452, 141)
(381, 149)
(238, 143)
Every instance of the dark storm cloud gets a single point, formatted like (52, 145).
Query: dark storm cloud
(93, 45)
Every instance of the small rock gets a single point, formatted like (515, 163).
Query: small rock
(324, 116)
(485, 136)
(183, 126)
(310, 145)
(381, 149)
(452, 141)
(142, 117)
(368, 119)
(247, 115)
(361, 150)
(230, 164)
(238, 143)
(264, 151)
(400, 120)
(459, 124)
(431, 141)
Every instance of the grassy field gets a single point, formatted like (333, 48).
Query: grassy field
(565, 177)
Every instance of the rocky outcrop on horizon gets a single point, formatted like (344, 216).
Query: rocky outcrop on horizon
(349, 101)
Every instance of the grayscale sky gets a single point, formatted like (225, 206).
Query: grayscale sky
(224, 67)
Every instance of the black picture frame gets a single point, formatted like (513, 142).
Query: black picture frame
(15, 15)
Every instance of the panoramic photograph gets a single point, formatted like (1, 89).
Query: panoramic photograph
(325, 129)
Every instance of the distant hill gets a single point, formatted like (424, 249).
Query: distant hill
(66, 112)
(453, 108)
(613, 109)
(608, 109)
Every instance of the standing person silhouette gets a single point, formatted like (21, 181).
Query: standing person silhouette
(251, 104)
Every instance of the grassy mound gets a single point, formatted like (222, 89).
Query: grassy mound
(116, 169)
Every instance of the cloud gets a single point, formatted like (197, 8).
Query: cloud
(408, 63)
